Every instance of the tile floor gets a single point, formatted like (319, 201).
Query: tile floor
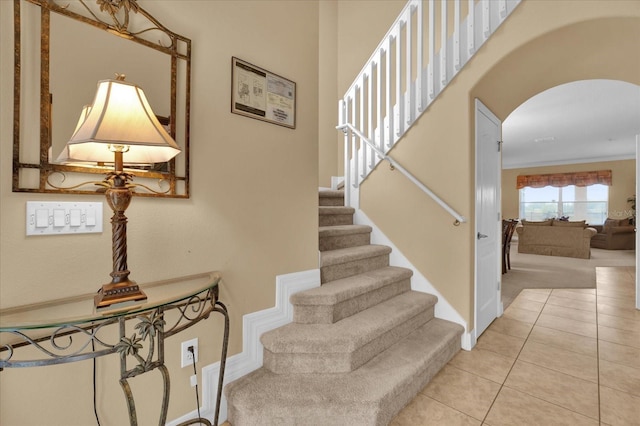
(556, 357)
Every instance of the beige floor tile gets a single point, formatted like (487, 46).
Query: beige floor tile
(536, 296)
(620, 284)
(582, 294)
(546, 291)
(523, 315)
(483, 363)
(590, 290)
(462, 391)
(620, 354)
(620, 377)
(562, 389)
(618, 322)
(618, 408)
(571, 313)
(617, 292)
(511, 327)
(616, 311)
(568, 325)
(516, 408)
(499, 343)
(572, 303)
(424, 411)
(576, 365)
(561, 339)
(622, 337)
(529, 305)
(627, 303)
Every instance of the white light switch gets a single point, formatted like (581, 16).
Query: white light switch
(75, 217)
(58, 218)
(91, 217)
(42, 218)
(51, 218)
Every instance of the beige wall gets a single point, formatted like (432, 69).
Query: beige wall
(252, 214)
(623, 186)
(358, 29)
(541, 45)
(328, 136)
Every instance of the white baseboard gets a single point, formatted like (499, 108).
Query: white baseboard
(253, 326)
(419, 282)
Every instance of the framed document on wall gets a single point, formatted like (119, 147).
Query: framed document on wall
(260, 94)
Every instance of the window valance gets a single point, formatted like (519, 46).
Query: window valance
(558, 180)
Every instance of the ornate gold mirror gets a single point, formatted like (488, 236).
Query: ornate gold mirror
(62, 50)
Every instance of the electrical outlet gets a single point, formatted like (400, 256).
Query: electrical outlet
(186, 358)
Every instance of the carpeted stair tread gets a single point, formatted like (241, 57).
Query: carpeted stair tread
(350, 333)
(341, 235)
(331, 231)
(331, 197)
(335, 215)
(334, 257)
(370, 395)
(331, 193)
(332, 210)
(341, 298)
(338, 291)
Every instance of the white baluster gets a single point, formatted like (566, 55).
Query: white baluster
(486, 20)
(456, 36)
(408, 111)
(443, 44)
(432, 48)
(419, 57)
(399, 97)
(379, 118)
(471, 44)
(502, 8)
(390, 114)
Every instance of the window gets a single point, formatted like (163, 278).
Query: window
(588, 203)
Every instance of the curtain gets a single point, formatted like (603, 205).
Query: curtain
(602, 177)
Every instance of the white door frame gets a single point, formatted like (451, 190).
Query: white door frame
(479, 106)
(637, 233)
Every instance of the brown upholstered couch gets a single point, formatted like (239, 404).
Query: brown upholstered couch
(615, 234)
(555, 238)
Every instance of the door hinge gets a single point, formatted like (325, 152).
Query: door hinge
(498, 285)
(499, 145)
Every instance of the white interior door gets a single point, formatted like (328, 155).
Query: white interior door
(488, 305)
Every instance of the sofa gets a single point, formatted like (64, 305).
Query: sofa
(555, 238)
(615, 234)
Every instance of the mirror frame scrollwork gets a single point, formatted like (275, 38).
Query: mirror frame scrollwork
(114, 17)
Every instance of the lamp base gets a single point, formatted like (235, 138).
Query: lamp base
(119, 295)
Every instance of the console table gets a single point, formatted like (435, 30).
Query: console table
(69, 330)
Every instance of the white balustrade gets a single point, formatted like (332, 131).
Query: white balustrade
(384, 101)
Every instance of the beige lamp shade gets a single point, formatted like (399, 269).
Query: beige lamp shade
(120, 118)
(64, 157)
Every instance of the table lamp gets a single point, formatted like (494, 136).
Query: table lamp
(119, 126)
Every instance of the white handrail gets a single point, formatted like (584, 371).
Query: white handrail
(405, 74)
(348, 128)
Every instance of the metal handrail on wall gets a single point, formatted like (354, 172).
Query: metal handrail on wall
(394, 87)
(347, 128)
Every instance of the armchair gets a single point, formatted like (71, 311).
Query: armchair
(615, 234)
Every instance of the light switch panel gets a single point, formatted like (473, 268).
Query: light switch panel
(55, 218)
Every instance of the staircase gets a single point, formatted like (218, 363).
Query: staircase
(360, 347)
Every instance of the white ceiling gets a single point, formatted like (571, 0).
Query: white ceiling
(579, 122)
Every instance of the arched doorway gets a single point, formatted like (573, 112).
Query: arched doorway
(594, 49)
(580, 126)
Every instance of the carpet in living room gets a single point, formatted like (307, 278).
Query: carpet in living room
(539, 271)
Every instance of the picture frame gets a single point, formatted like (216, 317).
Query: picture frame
(261, 94)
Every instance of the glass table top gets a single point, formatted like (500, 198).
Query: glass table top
(81, 309)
